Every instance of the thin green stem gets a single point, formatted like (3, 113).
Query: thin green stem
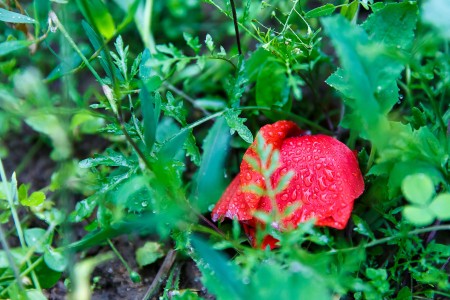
(373, 151)
(11, 262)
(236, 26)
(391, 238)
(119, 256)
(16, 219)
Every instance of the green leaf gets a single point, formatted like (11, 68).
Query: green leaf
(149, 253)
(419, 216)
(237, 124)
(96, 12)
(349, 10)
(271, 85)
(111, 158)
(35, 199)
(236, 85)
(209, 42)
(356, 80)
(12, 17)
(210, 178)
(34, 237)
(150, 105)
(220, 276)
(10, 46)
(441, 206)
(362, 227)
(436, 12)
(418, 188)
(56, 259)
(192, 42)
(51, 126)
(285, 283)
(321, 11)
(393, 25)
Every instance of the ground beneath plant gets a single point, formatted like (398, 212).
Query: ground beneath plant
(109, 280)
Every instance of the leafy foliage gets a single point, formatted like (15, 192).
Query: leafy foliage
(160, 89)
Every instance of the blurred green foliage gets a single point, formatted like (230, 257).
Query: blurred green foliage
(163, 85)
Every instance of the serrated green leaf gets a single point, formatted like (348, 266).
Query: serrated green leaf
(419, 216)
(236, 85)
(111, 158)
(192, 42)
(393, 25)
(440, 206)
(13, 17)
(237, 124)
(362, 67)
(418, 188)
(149, 253)
(321, 11)
(209, 42)
(190, 145)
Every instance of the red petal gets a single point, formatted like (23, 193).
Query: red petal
(326, 182)
(274, 135)
(232, 203)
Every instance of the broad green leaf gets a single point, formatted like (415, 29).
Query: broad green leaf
(321, 11)
(172, 146)
(150, 105)
(440, 206)
(436, 12)
(149, 253)
(96, 12)
(419, 216)
(71, 62)
(350, 42)
(17, 255)
(51, 126)
(56, 259)
(35, 199)
(271, 85)
(418, 188)
(11, 46)
(220, 276)
(210, 178)
(13, 17)
(393, 25)
(349, 10)
(35, 295)
(305, 283)
(34, 237)
(237, 124)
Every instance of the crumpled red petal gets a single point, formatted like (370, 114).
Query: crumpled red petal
(326, 182)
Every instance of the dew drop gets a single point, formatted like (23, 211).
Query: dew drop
(144, 204)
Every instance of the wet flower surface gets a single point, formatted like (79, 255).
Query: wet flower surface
(326, 181)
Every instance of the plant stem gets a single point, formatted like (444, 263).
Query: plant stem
(119, 256)
(16, 219)
(161, 275)
(390, 238)
(236, 27)
(11, 262)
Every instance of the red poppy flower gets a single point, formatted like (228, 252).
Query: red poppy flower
(326, 181)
